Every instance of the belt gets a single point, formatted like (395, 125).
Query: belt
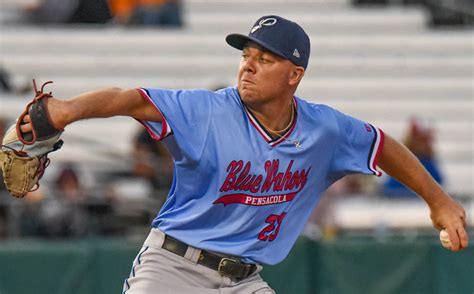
(226, 265)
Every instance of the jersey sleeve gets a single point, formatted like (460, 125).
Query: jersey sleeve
(186, 115)
(357, 147)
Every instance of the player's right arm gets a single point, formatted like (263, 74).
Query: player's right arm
(397, 161)
(99, 104)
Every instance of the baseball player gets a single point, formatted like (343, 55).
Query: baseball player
(250, 164)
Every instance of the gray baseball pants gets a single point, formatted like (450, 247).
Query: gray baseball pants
(158, 271)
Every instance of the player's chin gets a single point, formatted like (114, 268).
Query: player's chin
(247, 94)
(251, 99)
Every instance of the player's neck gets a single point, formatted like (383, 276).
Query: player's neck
(275, 117)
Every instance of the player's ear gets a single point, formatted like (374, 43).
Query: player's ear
(297, 74)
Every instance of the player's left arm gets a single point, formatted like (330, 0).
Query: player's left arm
(397, 161)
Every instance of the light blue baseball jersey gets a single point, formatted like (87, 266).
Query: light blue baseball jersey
(238, 191)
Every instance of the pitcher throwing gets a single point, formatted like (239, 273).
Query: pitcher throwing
(250, 164)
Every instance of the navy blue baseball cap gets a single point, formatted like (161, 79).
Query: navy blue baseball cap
(277, 35)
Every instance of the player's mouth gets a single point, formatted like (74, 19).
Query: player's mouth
(245, 81)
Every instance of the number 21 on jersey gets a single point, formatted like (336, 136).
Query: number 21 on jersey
(270, 232)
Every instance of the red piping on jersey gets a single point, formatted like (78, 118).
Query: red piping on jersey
(379, 150)
(164, 124)
(257, 127)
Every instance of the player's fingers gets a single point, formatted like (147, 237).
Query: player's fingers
(26, 128)
(463, 237)
(26, 119)
(453, 238)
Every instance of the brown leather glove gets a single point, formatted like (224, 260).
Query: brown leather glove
(24, 157)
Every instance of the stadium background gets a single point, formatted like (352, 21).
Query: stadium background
(383, 63)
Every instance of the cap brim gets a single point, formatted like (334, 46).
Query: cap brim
(238, 41)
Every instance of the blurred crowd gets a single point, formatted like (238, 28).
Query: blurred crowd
(165, 13)
(117, 202)
(419, 138)
(168, 13)
(441, 13)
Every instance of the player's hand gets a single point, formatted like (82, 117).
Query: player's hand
(448, 214)
(54, 107)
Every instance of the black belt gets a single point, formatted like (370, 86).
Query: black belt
(226, 265)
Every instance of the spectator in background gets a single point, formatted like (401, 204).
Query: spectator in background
(121, 10)
(65, 215)
(60, 212)
(67, 11)
(323, 217)
(67, 184)
(30, 210)
(420, 140)
(166, 13)
(7, 85)
(152, 161)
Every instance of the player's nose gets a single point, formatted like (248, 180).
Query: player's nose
(248, 65)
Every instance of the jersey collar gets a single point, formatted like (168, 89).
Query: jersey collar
(264, 133)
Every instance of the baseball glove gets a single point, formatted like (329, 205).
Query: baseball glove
(24, 156)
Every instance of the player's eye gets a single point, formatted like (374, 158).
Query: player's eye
(245, 56)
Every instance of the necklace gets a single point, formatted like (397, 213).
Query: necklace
(277, 133)
(285, 128)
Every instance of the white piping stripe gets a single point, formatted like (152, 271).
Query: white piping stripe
(374, 152)
(278, 141)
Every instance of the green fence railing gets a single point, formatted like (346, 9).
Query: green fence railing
(100, 266)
